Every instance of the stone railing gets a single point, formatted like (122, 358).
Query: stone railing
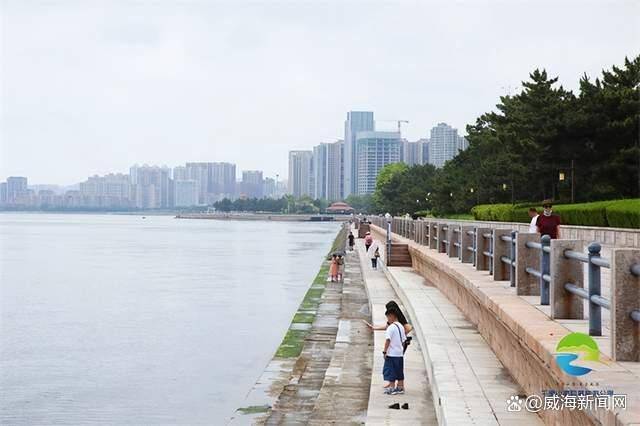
(555, 270)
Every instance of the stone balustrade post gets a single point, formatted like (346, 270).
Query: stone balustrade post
(452, 237)
(442, 236)
(483, 263)
(625, 297)
(466, 240)
(527, 284)
(501, 270)
(433, 235)
(564, 304)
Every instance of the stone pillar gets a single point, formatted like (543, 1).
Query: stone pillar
(452, 237)
(527, 284)
(565, 305)
(425, 233)
(433, 235)
(466, 241)
(442, 235)
(482, 245)
(501, 248)
(625, 297)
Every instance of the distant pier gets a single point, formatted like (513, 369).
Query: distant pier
(266, 216)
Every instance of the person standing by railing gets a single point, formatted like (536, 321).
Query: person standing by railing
(533, 225)
(368, 240)
(548, 223)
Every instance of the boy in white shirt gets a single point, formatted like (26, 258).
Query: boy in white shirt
(533, 214)
(393, 370)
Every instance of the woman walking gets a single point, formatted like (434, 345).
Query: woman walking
(352, 241)
(333, 268)
(374, 253)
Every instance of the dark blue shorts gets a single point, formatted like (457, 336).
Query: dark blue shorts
(393, 368)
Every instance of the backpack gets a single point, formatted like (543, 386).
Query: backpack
(406, 342)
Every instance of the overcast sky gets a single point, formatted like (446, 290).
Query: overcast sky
(93, 87)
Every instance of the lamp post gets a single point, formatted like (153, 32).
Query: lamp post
(388, 218)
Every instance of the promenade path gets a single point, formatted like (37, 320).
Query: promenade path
(523, 335)
(417, 391)
(329, 382)
(459, 372)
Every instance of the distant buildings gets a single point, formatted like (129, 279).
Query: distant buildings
(301, 179)
(335, 171)
(357, 121)
(445, 144)
(331, 171)
(320, 157)
(222, 182)
(150, 186)
(185, 192)
(17, 189)
(374, 151)
(253, 184)
(109, 191)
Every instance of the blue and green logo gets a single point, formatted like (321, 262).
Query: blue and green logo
(576, 346)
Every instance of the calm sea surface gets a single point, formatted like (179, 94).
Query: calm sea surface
(118, 320)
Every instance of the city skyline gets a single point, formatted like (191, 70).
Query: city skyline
(168, 83)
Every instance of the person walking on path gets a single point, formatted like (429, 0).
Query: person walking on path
(333, 268)
(368, 240)
(340, 268)
(393, 369)
(548, 223)
(352, 241)
(533, 214)
(374, 253)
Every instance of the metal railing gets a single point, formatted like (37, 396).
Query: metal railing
(526, 262)
(543, 273)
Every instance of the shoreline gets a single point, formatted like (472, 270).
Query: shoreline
(307, 349)
(276, 217)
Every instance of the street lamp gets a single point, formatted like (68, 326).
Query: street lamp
(389, 219)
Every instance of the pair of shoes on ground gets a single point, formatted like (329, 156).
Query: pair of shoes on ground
(393, 391)
(396, 406)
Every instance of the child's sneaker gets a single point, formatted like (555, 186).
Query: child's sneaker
(388, 391)
(397, 391)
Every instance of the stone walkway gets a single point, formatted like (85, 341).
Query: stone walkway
(344, 395)
(418, 393)
(467, 377)
(329, 382)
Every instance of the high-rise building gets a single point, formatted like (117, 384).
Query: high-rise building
(199, 172)
(425, 150)
(375, 150)
(444, 144)
(17, 189)
(300, 173)
(252, 184)
(180, 173)
(357, 121)
(320, 157)
(150, 186)
(415, 153)
(112, 190)
(335, 171)
(185, 192)
(3, 193)
(223, 181)
(269, 186)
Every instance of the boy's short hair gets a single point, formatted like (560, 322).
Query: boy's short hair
(533, 209)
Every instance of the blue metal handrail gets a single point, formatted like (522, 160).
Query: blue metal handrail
(545, 262)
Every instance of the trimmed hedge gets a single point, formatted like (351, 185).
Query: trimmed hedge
(613, 213)
(624, 214)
